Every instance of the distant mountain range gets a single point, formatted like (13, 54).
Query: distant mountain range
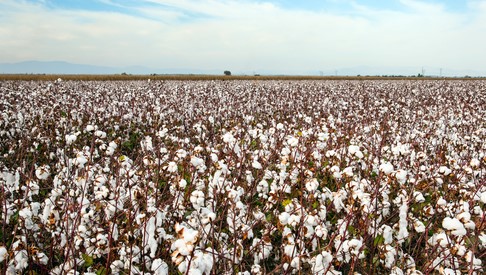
(62, 67)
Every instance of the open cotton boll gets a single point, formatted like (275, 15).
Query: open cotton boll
(197, 162)
(159, 267)
(454, 225)
(418, 226)
(255, 164)
(386, 168)
(70, 139)
(292, 141)
(90, 128)
(352, 149)
(418, 197)
(3, 252)
(401, 176)
(43, 172)
(228, 138)
(483, 197)
(444, 170)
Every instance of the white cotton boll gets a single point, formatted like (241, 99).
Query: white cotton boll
(159, 267)
(402, 223)
(330, 153)
(418, 197)
(418, 226)
(454, 225)
(441, 239)
(348, 171)
(445, 170)
(70, 139)
(3, 253)
(214, 157)
(474, 163)
(294, 220)
(197, 162)
(293, 142)
(390, 254)
(100, 134)
(80, 160)
(482, 239)
(387, 233)
(182, 184)
(21, 260)
(396, 271)
(172, 167)
(255, 164)
(483, 197)
(449, 271)
(228, 138)
(321, 231)
(464, 217)
(441, 202)
(352, 149)
(182, 247)
(263, 138)
(312, 185)
(43, 172)
(476, 263)
(386, 168)
(150, 241)
(280, 126)
(323, 136)
(321, 263)
(401, 176)
(90, 128)
(295, 263)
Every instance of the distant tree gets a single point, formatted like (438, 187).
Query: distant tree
(227, 73)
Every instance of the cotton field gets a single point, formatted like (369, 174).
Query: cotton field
(243, 177)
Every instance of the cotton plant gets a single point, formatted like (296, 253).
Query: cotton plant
(251, 177)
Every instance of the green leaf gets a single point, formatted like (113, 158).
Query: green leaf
(379, 240)
(286, 202)
(101, 271)
(88, 260)
(351, 229)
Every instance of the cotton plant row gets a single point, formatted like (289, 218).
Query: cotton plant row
(242, 177)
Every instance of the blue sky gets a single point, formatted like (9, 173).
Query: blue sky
(246, 36)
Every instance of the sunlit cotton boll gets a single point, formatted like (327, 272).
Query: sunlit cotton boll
(386, 168)
(353, 150)
(401, 176)
(159, 267)
(445, 170)
(3, 253)
(255, 164)
(474, 163)
(70, 139)
(90, 128)
(454, 225)
(43, 172)
(292, 142)
(197, 162)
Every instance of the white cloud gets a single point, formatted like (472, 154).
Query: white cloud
(245, 36)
